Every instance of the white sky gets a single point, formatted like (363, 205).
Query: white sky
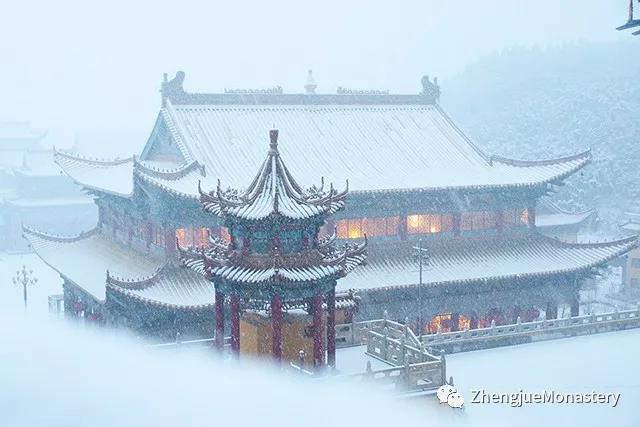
(79, 65)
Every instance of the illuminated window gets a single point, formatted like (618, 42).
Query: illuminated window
(424, 224)
(445, 323)
(356, 228)
(192, 237)
(224, 234)
(524, 217)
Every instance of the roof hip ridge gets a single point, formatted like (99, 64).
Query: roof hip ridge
(586, 154)
(59, 238)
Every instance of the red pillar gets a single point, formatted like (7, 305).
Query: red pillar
(169, 241)
(276, 327)
(219, 320)
(318, 356)
(473, 321)
(331, 328)
(500, 220)
(455, 322)
(235, 324)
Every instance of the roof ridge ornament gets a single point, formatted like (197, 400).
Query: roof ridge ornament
(273, 141)
(310, 86)
(430, 89)
(173, 87)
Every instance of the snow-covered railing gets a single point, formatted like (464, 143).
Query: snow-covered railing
(518, 332)
(408, 378)
(356, 333)
(203, 342)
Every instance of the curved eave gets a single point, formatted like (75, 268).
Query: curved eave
(118, 171)
(135, 286)
(153, 302)
(621, 246)
(163, 179)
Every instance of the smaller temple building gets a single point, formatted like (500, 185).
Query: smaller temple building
(278, 275)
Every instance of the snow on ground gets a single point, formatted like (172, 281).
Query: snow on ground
(602, 363)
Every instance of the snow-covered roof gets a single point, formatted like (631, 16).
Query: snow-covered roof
(85, 259)
(274, 191)
(171, 286)
(548, 214)
(376, 147)
(380, 142)
(505, 258)
(111, 176)
(632, 226)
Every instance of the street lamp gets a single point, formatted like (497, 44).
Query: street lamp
(631, 22)
(423, 255)
(24, 277)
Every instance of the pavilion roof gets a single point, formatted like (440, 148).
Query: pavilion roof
(512, 257)
(219, 262)
(274, 191)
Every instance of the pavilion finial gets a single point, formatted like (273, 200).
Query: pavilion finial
(310, 86)
(273, 137)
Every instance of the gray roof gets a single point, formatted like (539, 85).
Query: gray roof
(508, 257)
(379, 142)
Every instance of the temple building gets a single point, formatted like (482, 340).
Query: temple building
(274, 261)
(34, 191)
(631, 265)
(415, 179)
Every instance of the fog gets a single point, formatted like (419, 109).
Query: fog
(73, 66)
(522, 79)
(57, 375)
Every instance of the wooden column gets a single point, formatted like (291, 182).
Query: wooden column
(473, 321)
(500, 221)
(516, 314)
(169, 241)
(235, 324)
(219, 320)
(402, 227)
(457, 220)
(575, 308)
(531, 216)
(331, 328)
(455, 322)
(318, 354)
(276, 327)
(551, 311)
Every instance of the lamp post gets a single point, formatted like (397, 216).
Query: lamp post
(422, 254)
(24, 277)
(631, 21)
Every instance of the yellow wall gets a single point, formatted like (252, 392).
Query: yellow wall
(255, 336)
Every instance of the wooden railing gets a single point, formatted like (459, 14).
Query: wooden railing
(540, 330)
